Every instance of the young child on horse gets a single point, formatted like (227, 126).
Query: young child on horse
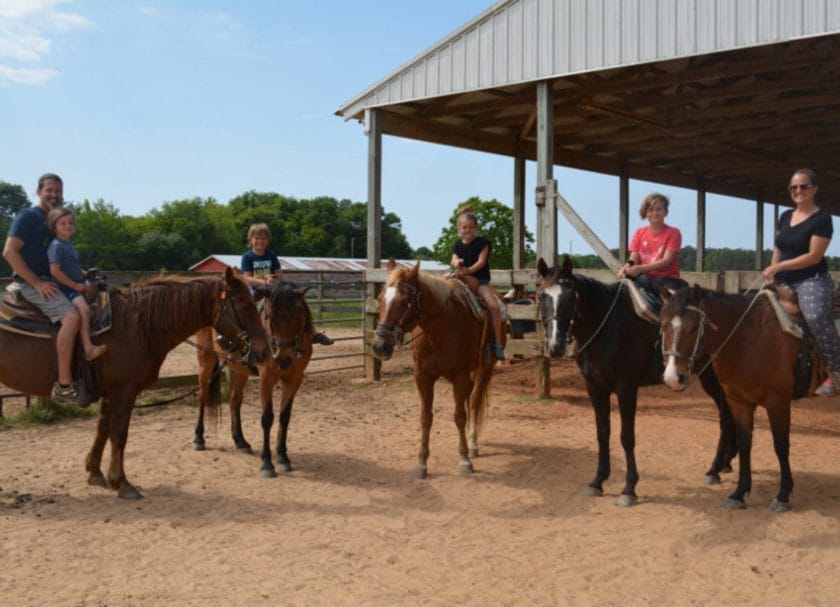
(654, 250)
(261, 267)
(66, 270)
(472, 256)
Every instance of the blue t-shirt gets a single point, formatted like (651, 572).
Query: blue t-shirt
(260, 266)
(30, 225)
(64, 254)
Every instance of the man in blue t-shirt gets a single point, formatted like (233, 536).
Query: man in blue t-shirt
(26, 252)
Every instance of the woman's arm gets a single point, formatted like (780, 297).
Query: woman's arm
(816, 251)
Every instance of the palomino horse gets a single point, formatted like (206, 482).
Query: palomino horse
(616, 352)
(288, 325)
(149, 319)
(449, 341)
(754, 359)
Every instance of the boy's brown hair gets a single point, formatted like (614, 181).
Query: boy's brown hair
(56, 214)
(259, 228)
(649, 200)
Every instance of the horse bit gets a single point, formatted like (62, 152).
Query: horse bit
(385, 330)
(242, 341)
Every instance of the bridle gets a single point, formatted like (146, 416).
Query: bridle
(576, 314)
(407, 320)
(242, 342)
(698, 342)
(275, 344)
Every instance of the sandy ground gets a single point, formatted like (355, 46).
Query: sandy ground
(349, 526)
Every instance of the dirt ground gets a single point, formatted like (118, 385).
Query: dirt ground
(349, 526)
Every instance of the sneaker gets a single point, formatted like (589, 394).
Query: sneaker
(321, 338)
(66, 395)
(826, 389)
(498, 351)
(95, 352)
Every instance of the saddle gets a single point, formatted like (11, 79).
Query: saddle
(20, 316)
(469, 287)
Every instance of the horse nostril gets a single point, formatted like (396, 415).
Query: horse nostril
(681, 378)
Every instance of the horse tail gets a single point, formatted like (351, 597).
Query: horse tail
(214, 392)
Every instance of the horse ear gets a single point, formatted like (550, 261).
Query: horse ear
(412, 273)
(665, 293)
(542, 267)
(230, 277)
(261, 292)
(302, 291)
(567, 264)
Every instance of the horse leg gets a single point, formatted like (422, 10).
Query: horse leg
(207, 365)
(93, 462)
(600, 398)
(426, 388)
(627, 397)
(779, 414)
(461, 386)
(122, 406)
(743, 413)
(238, 377)
(290, 388)
(726, 447)
(266, 420)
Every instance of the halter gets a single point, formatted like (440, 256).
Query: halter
(403, 324)
(569, 336)
(276, 344)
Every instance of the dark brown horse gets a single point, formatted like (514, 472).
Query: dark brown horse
(754, 359)
(150, 318)
(288, 325)
(617, 352)
(449, 341)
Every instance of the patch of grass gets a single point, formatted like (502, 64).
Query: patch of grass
(44, 412)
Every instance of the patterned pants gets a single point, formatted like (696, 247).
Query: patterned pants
(815, 302)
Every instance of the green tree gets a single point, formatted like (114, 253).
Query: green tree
(12, 199)
(192, 224)
(495, 223)
(103, 238)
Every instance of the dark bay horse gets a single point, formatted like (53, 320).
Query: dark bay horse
(448, 341)
(288, 325)
(754, 359)
(149, 319)
(617, 352)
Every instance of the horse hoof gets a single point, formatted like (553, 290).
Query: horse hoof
(268, 473)
(778, 506)
(711, 479)
(97, 480)
(473, 453)
(466, 469)
(593, 491)
(419, 472)
(733, 504)
(626, 501)
(198, 446)
(726, 468)
(246, 449)
(129, 493)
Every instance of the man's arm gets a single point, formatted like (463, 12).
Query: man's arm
(11, 253)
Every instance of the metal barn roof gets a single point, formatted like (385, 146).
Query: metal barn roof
(321, 264)
(731, 96)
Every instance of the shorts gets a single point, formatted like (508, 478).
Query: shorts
(484, 282)
(55, 308)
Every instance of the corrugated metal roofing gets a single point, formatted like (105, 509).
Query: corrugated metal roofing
(517, 41)
(323, 264)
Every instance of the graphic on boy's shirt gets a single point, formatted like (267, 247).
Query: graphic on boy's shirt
(262, 269)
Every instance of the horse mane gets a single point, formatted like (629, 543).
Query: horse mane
(440, 289)
(161, 305)
(282, 297)
(598, 295)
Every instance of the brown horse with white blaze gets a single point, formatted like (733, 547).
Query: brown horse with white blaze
(448, 341)
(149, 319)
(755, 361)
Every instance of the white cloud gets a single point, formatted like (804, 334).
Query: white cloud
(12, 75)
(26, 30)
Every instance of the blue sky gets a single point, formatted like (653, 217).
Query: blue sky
(140, 103)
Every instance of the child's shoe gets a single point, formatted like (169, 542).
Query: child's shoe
(95, 352)
(826, 389)
(321, 338)
(498, 351)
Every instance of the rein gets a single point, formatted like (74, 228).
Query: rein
(603, 322)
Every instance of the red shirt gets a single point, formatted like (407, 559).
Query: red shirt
(652, 247)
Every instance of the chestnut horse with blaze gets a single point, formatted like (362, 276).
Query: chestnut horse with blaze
(448, 341)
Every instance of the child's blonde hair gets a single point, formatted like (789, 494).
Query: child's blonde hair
(467, 213)
(56, 214)
(649, 200)
(259, 228)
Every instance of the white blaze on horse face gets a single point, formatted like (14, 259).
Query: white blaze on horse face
(390, 294)
(554, 292)
(671, 374)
